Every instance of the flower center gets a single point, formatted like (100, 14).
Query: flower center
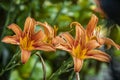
(47, 40)
(26, 43)
(79, 52)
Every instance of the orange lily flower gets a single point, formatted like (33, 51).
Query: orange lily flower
(84, 45)
(93, 32)
(50, 33)
(27, 39)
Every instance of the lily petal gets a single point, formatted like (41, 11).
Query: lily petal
(91, 25)
(44, 46)
(29, 26)
(16, 29)
(64, 47)
(79, 30)
(110, 42)
(47, 28)
(11, 40)
(101, 41)
(98, 55)
(68, 38)
(92, 44)
(25, 55)
(78, 63)
(58, 40)
(38, 36)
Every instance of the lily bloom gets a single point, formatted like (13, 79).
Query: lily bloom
(84, 45)
(93, 32)
(50, 33)
(27, 39)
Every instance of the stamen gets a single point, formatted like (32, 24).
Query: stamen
(78, 52)
(97, 31)
(26, 43)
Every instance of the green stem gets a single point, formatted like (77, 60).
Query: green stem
(14, 56)
(9, 65)
(12, 66)
(63, 68)
(43, 65)
(9, 68)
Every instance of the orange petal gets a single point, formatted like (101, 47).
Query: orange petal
(44, 46)
(68, 38)
(110, 42)
(92, 44)
(79, 30)
(98, 55)
(49, 31)
(64, 47)
(91, 25)
(78, 63)
(25, 55)
(57, 40)
(11, 40)
(38, 36)
(16, 29)
(29, 26)
(62, 43)
(100, 40)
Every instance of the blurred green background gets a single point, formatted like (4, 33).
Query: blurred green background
(60, 13)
